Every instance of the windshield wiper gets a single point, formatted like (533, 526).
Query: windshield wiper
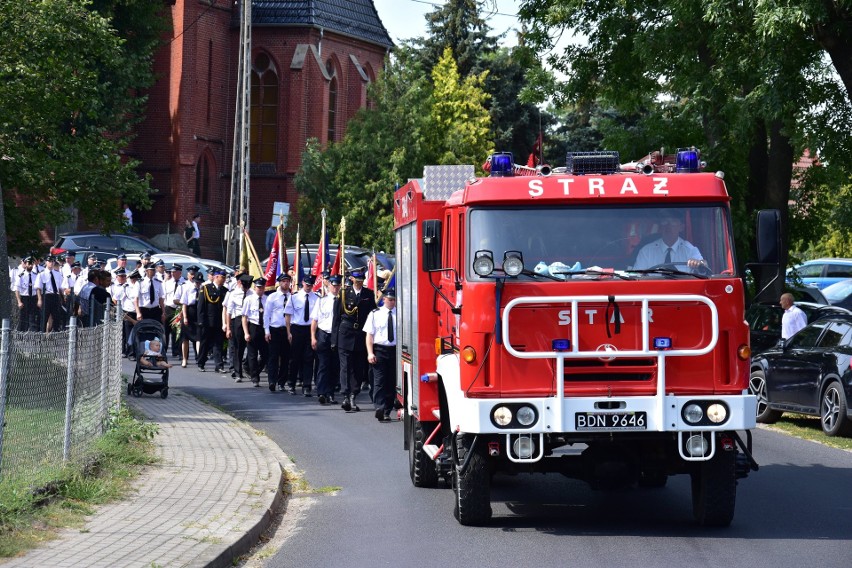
(669, 272)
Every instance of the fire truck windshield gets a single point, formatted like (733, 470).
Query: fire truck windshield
(583, 242)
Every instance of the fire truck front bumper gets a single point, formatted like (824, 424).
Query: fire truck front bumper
(600, 414)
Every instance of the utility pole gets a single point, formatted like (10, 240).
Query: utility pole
(240, 163)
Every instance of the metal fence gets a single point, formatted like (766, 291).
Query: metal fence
(56, 392)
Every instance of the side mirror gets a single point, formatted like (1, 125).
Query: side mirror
(432, 245)
(768, 236)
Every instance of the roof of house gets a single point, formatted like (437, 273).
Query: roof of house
(355, 18)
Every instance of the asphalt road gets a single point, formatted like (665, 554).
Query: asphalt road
(795, 511)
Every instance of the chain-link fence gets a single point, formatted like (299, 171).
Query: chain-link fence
(56, 392)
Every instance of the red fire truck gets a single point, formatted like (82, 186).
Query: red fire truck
(586, 321)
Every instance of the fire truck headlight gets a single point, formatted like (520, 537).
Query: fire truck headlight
(513, 262)
(697, 445)
(717, 413)
(483, 263)
(526, 415)
(502, 416)
(524, 447)
(692, 413)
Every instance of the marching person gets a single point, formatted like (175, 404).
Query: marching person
(120, 263)
(351, 308)
(171, 304)
(26, 293)
(160, 268)
(297, 318)
(380, 329)
(50, 293)
(210, 302)
(124, 292)
(68, 265)
(189, 311)
(253, 308)
(275, 326)
(149, 303)
(234, 325)
(322, 318)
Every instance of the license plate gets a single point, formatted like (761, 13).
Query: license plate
(610, 421)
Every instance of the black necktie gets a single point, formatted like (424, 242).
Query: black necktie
(390, 327)
(30, 292)
(307, 307)
(53, 281)
(151, 289)
(668, 259)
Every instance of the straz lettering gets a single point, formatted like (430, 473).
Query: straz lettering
(564, 316)
(595, 186)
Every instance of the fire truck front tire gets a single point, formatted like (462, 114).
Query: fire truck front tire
(714, 490)
(421, 467)
(472, 486)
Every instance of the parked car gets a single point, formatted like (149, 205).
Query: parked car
(128, 244)
(821, 272)
(102, 256)
(764, 321)
(809, 374)
(168, 258)
(839, 294)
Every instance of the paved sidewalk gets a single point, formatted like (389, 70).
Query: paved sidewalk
(205, 503)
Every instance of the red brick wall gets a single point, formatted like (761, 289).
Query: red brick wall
(191, 112)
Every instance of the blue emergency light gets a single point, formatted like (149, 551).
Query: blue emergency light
(502, 164)
(561, 344)
(662, 343)
(688, 160)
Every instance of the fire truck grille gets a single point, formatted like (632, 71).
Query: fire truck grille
(621, 370)
(591, 363)
(608, 377)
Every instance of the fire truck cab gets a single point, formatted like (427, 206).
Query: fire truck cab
(587, 322)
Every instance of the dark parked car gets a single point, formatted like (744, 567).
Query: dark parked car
(129, 244)
(809, 374)
(839, 294)
(764, 321)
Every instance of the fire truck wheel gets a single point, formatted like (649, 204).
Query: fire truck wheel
(421, 467)
(714, 490)
(473, 487)
(757, 387)
(832, 411)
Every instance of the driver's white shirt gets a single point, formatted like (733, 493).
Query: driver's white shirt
(654, 253)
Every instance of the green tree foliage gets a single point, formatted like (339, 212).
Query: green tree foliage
(407, 126)
(460, 26)
(709, 69)
(67, 83)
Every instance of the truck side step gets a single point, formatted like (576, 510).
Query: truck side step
(432, 450)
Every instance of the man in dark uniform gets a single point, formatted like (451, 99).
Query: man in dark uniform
(351, 309)
(210, 303)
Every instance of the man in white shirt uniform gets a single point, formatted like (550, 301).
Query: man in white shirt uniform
(256, 351)
(25, 285)
(670, 248)
(171, 305)
(50, 294)
(380, 328)
(322, 318)
(275, 328)
(297, 315)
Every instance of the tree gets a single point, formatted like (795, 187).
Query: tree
(66, 89)
(698, 68)
(413, 122)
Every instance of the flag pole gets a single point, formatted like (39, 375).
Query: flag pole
(343, 252)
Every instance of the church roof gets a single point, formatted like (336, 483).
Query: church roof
(355, 18)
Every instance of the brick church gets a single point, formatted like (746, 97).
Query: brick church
(312, 61)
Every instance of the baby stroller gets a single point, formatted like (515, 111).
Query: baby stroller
(154, 376)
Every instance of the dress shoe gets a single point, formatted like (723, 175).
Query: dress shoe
(387, 417)
(321, 399)
(238, 379)
(219, 370)
(257, 384)
(347, 406)
(355, 407)
(291, 390)
(272, 387)
(331, 400)
(380, 414)
(307, 393)
(202, 369)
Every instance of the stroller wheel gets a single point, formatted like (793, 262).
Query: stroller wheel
(137, 392)
(164, 393)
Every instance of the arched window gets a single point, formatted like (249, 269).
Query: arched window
(332, 101)
(264, 110)
(203, 177)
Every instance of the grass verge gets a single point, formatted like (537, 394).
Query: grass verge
(30, 513)
(808, 428)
